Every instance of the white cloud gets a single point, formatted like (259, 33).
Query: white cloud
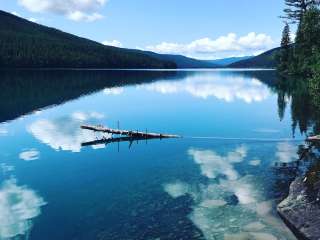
(29, 155)
(114, 43)
(18, 206)
(65, 133)
(228, 88)
(33, 20)
(81, 16)
(16, 14)
(77, 10)
(207, 48)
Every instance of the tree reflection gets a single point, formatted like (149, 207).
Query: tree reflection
(305, 110)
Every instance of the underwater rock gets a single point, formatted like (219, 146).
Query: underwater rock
(301, 212)
(232, 200)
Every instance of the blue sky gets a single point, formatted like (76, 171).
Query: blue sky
(203, 29)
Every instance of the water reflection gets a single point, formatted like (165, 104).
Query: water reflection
(113, 91)
(227, 87)
(19, 205)
(29, 155)
(230, 205)
(3, 131)
(286, 152)
(27, 91)
(64, 133)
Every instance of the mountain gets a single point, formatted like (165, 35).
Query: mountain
(24, 44)
(227, 61)
(264, 60)
(182, 61)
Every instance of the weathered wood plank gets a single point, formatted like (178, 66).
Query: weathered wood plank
(314, 139)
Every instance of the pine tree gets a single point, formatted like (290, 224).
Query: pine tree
(286, 40)
(297, 8)
(284, 56)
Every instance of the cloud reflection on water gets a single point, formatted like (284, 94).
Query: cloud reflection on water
(228, 88)
(230, 206)
(286, 152)
(18, 206)
(29, 155)
(64, 133)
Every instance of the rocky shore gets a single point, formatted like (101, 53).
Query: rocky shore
(301, 209)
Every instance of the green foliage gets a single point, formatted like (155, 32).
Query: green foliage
(315, 83)
(285, 51)
(297, 8)
(28, 45)
(301, 56)
(307, 42)
(265, 60)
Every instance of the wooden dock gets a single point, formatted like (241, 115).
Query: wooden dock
(130, 134)
(314, 139)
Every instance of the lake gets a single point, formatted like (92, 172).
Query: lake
(220, 181)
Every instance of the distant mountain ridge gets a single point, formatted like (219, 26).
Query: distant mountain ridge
(267, 59)
(183, 61)
(227, 61)
(24, 44)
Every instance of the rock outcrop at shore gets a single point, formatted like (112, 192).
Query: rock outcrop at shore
(301, 209)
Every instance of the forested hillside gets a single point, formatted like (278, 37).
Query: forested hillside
(25, 44)
(265, 60)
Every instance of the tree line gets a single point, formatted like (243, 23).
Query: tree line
(299, 57)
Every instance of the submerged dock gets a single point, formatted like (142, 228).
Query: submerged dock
(130, 134)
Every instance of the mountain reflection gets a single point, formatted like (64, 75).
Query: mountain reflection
(24, 92)
(27, 91)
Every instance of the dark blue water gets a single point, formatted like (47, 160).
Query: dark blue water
(218, 182)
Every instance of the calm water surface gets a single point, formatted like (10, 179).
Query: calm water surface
(218, 182)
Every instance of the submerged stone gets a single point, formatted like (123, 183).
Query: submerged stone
(232, 200)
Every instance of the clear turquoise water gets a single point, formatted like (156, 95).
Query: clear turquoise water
(218, 182)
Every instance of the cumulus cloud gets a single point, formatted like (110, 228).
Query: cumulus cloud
(64, 133)
(29, 155)
(228, 88)
(114, 43)
(18, 206)
(77, 10)
(231, 43)
(16, 14)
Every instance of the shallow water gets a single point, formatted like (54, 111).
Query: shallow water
(218, 182)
